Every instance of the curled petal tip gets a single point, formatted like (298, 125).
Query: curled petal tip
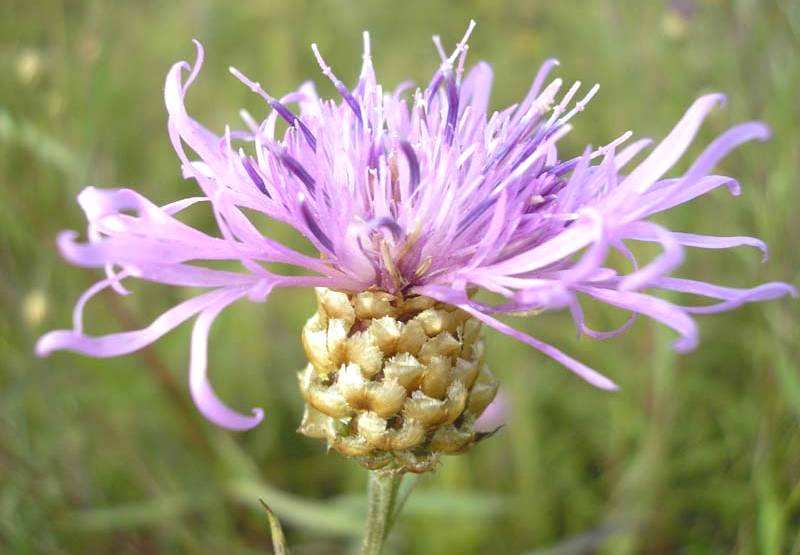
(66, 237)
(717, 98)
(44, 346)
(239, 423)
(764, 132)
(685, 344)
(257, 418)
(199, 53)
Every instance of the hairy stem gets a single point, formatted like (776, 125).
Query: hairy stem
(382, 497)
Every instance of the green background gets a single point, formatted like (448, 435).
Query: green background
(698, 453)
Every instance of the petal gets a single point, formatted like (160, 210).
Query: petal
(186, 275)
(153, 236)
(578, 317)
(593, 258)
(627, 154)
(127, 342)
(583, 371)
(86, 296)
(202, 393)
(535, 89)
(498, 223)
(667, 194)
(670, 258)
(202, 141)
(707, 241)
(732, 297)
(475, 91)
(724, 144)
(670, 150)
(658, 309)
(495, 415)
(566, 243)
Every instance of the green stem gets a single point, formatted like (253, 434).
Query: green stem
(381, 504)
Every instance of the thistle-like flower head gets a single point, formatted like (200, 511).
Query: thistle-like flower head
(412, 191)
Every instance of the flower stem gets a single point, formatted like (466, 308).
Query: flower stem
(382, 509)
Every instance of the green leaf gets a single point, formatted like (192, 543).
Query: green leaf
(278, 539)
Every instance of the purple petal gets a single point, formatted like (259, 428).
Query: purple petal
(707, 241)
(583, 371)
(496, 414)
(669, 151)
(658, 309)
(668, 260)
(127, 342)
(732, 297)
(202, 393)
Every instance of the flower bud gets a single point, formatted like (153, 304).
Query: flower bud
(393, 380)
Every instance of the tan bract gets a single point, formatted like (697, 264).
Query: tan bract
(393, 381)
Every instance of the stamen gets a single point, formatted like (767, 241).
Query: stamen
(326, 70)
(613, 144)
(437, 42)
(461, 61)
(312, 225)
(545, 100)
(391, 267)
(564, 167)
(366, 56)
(423, 267)
(474, 214)
(537, 148)
(298, 170)
(466, 155)
(434, 85)
(249, 121)
(550, 124)
(373, 156)
(580, 105)
(462, 44)
(447, 63)
(389, 223)
(253, 173)
(284, 112)
(452, 110)
(413, 164)
(573, 90)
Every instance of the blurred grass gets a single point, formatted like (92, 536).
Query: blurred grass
(697, 454)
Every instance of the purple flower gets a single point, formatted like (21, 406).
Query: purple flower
(496, 414)
(420, 191)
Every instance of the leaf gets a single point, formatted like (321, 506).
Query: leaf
(278, 539)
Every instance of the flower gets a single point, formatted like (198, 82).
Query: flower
(394, 380)
(418, 193)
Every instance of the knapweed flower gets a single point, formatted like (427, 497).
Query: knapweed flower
(415, 199)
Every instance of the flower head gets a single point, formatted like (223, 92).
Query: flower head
(415, 191)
